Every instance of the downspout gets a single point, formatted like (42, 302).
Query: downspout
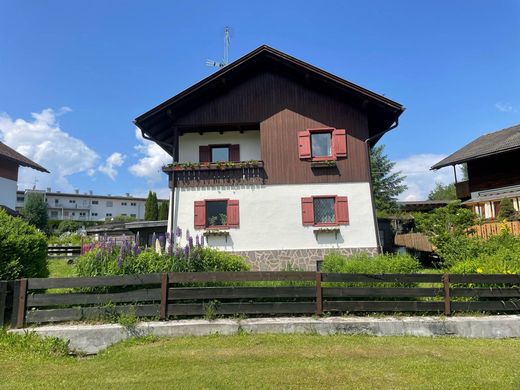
(374, 213)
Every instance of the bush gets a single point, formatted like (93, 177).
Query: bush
(69, 239)
(507, 210)
(109, 259)
(385, 263)
(23, 249)
(67, 226)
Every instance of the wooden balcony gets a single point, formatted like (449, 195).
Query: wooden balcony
(216, 174)
(462, 190)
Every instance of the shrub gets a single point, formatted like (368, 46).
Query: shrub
(385, 263)
(23, 249)
(507, 210)
(35, 210)
(67, 226)
(69, 239)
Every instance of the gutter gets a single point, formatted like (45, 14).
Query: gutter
(367, 148)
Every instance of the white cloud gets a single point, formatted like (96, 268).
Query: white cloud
(505, 107)
(43, 141)
(114, 161)
(419, 178)
(152, 160)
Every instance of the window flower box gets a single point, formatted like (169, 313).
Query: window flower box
(214, 166)
(216, 232)
(323, 164)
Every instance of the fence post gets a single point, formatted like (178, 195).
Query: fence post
(447, 302)
(164, 297)
(19, 300)
(3, 301)
(319, 298)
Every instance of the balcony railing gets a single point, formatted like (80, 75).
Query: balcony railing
(221, 173)
(462, 190)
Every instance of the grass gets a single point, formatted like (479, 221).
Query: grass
(58, 268)
(272, 361)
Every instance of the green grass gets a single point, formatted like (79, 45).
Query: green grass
(272, 361)
(58, 268)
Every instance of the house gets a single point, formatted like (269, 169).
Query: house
(492, 170)
(87, 206)
(270, 160)
(10, 161)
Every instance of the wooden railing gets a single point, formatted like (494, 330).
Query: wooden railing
(253, 293)
(58, 251)
(488, 229)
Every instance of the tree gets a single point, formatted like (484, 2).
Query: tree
(67, 226)
(35, 210)
(163, 211)
(151, 208)
(507, 210)
(443, 192)
(387, 185)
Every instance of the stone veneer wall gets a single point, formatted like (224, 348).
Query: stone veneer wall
(304, 259)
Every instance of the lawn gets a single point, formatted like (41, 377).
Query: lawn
(58, 268)
(270, 361)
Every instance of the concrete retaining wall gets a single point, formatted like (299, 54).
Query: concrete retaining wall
(91, 339)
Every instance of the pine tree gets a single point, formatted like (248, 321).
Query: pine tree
(163, 211)
(387, 185)
(35, 210)
(155, 207)
(149, 207)
(507, 210)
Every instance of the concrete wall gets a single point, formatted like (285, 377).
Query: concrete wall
(271, 217)
(249, 142)
(8, 192)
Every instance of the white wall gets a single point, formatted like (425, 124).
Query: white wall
(270, 216)
(8, 192)
(249, 142)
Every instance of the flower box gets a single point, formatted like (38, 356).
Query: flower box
(219, 166)
(323, 164)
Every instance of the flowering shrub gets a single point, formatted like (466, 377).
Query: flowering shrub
(23, 249)
(106, 258)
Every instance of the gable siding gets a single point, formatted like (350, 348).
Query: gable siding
(283, 107)
(496, 171)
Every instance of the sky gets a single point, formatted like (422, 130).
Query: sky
(73, 75)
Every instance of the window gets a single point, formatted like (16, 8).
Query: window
(109, 203)
(95, 202)
(123, 215)
(324, 210)
(123, 203)
(73, 214)
(82, 214)
(20, 198)
(72, 201)
(133, 215)
(108, 214)
(54, 214)
(133, 204)
(216, 153)
(56, 201)
(216, 214)
(322, 144)
(65, 213)
(328, 210)
(94, 214)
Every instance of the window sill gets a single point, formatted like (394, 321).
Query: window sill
(323, 163)
(327, 230)
(216, 232)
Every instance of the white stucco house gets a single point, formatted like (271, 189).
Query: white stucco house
(10, 161)
(270, 160)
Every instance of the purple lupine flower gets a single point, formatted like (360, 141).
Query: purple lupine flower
(98, 255)
(119, 261)
(197, 241)
(136, 249)
(162, 242)
(190, 242)
(187, 250)
(178, 232)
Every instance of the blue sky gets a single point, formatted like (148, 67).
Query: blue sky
(87, 69)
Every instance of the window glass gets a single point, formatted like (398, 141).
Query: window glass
(219, 153)
(94, 202)
(324, 210)
(216, 213)
(321, 144)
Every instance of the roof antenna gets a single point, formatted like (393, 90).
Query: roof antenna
(225, 59)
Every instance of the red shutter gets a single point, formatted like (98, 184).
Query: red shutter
(342, 210)
(304, 144)
(234, 153)
(339, 143)
(204, 153)
(307, 211)
(232, 214)
(200, 214)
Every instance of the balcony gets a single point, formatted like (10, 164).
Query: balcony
(216, 174)
(462, 190)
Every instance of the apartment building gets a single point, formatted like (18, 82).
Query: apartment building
(87, 206)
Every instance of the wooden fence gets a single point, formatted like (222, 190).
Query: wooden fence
(417, 241)
(173, 295)
(60, 251)
(488, 229)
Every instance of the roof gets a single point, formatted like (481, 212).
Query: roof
(487, 145)
(156, 123)
(422, 205)
(20, 159)
(93, 196)
(494, 194)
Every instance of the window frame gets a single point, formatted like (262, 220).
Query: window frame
(321, 130)
(335, 223)
(216, 227)
(216, 146)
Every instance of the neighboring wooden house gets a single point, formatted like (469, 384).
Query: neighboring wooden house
(270, 159)
(10, 161)
(493, 171)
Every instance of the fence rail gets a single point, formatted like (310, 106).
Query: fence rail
(168, 295)
(58, 251)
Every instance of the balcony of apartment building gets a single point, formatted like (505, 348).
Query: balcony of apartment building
(218, 158)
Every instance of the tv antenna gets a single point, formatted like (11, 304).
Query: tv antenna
(225, 59)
